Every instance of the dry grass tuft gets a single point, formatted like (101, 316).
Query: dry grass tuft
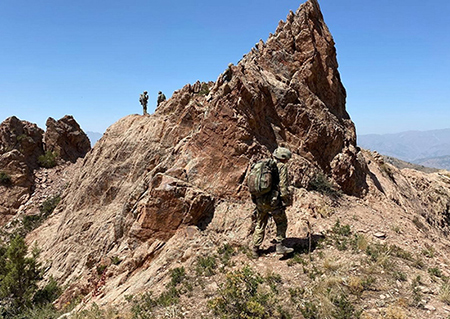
(355, 285)
(394, 312)
(361, 242)
(330, 265)
(444, 293)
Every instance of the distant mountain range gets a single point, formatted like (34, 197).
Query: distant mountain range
(93, 137)
(427, 148)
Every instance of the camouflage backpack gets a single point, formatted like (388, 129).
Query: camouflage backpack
(261, 177)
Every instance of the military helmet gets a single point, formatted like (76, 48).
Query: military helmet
(159, 92)
(145, 92)
(282, 153)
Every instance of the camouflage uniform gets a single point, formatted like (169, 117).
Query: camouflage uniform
(228, 74)
(273, 204)
(143, 99)
(161, 98)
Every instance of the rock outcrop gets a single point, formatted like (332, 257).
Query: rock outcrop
(66, 139)
(150, 176)
(23, 136)
(21, 145)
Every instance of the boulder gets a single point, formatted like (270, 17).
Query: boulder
(66, 139)
(23, 136)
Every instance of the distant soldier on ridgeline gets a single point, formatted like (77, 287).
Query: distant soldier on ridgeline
(228, 74)
(143, 99)
(161, 98)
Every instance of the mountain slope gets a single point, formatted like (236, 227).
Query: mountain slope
(157, 192)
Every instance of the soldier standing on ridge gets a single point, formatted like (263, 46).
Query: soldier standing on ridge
(228, 74)
(274, 203)
(161, 98)
(143, 99)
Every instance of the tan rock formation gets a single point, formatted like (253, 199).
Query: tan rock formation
(66, 138)
(23, 136)
(21, 144)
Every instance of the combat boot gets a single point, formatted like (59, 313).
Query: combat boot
(282, 250)
(255, 252)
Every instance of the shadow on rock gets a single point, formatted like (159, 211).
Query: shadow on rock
(303, 245)
(300, 245)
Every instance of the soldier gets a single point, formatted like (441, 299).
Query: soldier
(161, 98)
(143, 99)
(274, 203)
(227, 75)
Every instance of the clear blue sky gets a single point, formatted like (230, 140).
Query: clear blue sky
(92, 58)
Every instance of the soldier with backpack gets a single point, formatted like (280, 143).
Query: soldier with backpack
(268, 183)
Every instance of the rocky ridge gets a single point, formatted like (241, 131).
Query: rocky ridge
(158, 191)
(22, 144)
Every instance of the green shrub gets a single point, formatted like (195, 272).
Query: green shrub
(401, 253)
(225, 253)
(310, 310)
(339, 307)
(241, 296)
(273, 280)
(340, 236)
(5, 179)
(48, 160)
(204, 89)
(177, 275)
(297, 259)
(95, 312)
(435, 272)
(344, 309)
(48, 293)
(31, 222)
(416, 292)
(22, 137)
(342, 230)
(46, 311)
(206, 266)
(116, 260)
(19, 275)
(144, 306)
(49, 205)
(321, 184)
(101, 269)
(400, 276)
(428, 252)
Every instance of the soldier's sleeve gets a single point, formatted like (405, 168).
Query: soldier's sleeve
(284, 181)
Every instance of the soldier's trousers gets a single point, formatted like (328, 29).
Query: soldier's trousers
(262, 217)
